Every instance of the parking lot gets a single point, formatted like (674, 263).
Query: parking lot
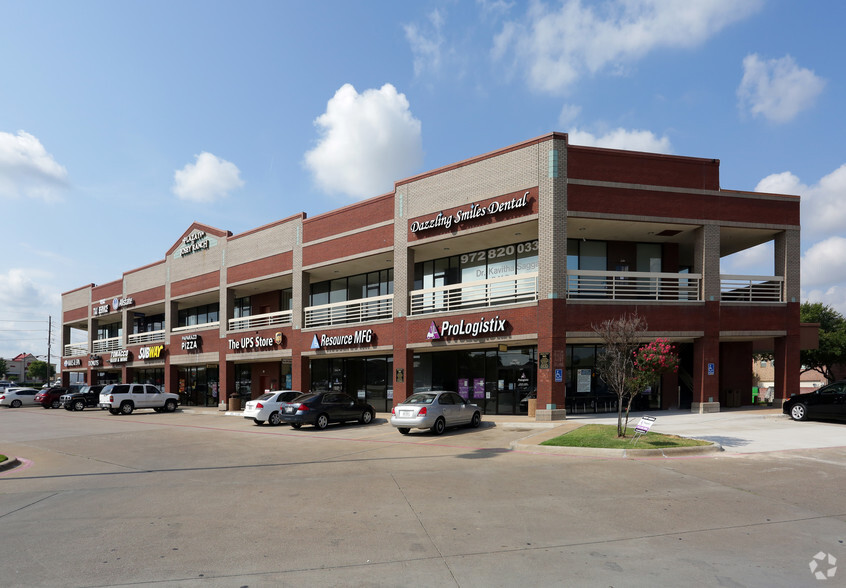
(194, 497)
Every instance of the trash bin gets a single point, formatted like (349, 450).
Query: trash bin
(234, 403)
(533, 406)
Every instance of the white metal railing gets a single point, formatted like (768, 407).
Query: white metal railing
(751, 288)
(270, 319)
(102, 345)
(74, 349)
(146, 337)
(199, 327)
(493, 292)
(351, 311)
(593, 284)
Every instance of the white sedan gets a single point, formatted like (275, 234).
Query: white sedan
(16, 397)
(266, 407)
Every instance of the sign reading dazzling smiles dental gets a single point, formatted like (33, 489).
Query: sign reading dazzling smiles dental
(496, 209)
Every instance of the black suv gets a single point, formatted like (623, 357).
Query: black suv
(81, 399)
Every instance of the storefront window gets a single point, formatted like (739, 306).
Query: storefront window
(198, 385)
(153, 376)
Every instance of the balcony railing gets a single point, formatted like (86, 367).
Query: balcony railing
(76, 349)
(751, 288)
(147, 337)
(270, 319)
(481, 294)
(103, 345)
(591, 284)
(352, 311)
(201, 326)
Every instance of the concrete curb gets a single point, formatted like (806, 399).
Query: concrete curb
(532, 443)
(10, 463)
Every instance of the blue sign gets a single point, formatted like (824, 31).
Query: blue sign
(710, 369)
(559, 375)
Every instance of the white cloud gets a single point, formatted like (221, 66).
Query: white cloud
(367, 141)
(824, 263)
(26, 169)
(556, 47)
(623, 139)
(823, 211)
(568, 115)
(777, 89)
(426, 46)
(207, 180)
(833, 296)
(756, 261)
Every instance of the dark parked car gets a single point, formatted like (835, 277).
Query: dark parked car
(828, 402)
(86, 397)
(49, 398)
(321, 408)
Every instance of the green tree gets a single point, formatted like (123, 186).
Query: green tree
(40, 370)
(3, 367)
(832, 347)
(621, 338)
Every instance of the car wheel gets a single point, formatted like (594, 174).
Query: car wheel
(439, 427)
(79, 405)
(799, 412)
(296, 425)
(366, 417)
(476, 420)
(68, 407)
(274, 419)
(170, 406)
(403, 430)
(114, 411)
(126, 408)
(322, 421)
(54, 404)
(17, 404)
(258, 422)
(45, 406)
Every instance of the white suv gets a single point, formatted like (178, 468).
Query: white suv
(125, 398)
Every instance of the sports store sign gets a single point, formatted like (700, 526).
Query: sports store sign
(477, 210)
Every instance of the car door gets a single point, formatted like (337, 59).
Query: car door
(464, 412)
(449, 410)
(153, 396)
(825, 405)
(136, 393)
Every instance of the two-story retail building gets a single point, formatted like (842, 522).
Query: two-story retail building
(485, 277)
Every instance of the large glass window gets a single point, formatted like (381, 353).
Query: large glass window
(243, 307)
(109, 331)
(145, 324)
(357, 287)
(198, 385)
(199, 315)
(496, 262)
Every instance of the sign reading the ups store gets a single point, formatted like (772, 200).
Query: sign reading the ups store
(256, 343)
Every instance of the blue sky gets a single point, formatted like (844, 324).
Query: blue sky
(121, 123)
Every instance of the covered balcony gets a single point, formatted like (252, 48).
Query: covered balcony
(474, 295)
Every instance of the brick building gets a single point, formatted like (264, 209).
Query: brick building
(484, 276)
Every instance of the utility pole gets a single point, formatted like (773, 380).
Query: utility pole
(49, 337)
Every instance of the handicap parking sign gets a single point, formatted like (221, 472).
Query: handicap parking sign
(559, 375)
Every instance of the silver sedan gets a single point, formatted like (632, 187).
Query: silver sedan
(434, 410)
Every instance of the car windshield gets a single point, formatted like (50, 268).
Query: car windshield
(420, 398)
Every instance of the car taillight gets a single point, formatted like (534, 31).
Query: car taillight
(394, 410)
(302, 407)
(3, 397)
(111, 398)
(259, 405)
(422, 411)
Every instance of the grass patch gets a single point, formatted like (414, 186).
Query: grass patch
(3, 458)
(606, 436)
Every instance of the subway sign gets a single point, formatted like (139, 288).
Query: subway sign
(151, 352)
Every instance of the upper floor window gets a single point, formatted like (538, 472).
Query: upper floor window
(109, 331)
(199, 315)
(495, 262)
(146, 324)
(369, 285)
(242, 307)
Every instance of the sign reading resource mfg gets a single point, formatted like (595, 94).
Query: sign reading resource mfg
(361, 337)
